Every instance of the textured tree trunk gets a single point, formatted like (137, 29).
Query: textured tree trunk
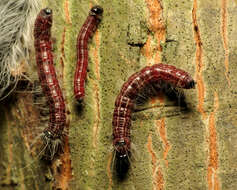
(175, 147)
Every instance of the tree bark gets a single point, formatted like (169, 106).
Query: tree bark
(175, 147)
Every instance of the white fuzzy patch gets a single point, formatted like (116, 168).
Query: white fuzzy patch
(16, 38)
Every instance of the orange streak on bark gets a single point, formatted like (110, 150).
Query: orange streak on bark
(147, 50)
(96, 55)
(225, 37)
(198, 61)
(156, 24)
(159, 98)
(66, 10)
(212, 178)
(62, 43)
(109, 173)
(97, 117)
(158, 179)
(159, 37)
(62, 57)
(153, 155)
(66, 169)
(96, 88)
(162, 131)
(201, 92)
(65, 174)
(155, 10)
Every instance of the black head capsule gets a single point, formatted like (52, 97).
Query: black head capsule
(96, 11)
(48, 11)
(48, 16)
(192, 84)
(122, 165)
(48, 134)
(122, 150)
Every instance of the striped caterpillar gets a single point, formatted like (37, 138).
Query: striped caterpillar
(156, 74)
(86, 32)
(52, 135)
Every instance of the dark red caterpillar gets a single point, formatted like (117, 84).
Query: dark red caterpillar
(156, 74)
(52, 135)
(86, 32)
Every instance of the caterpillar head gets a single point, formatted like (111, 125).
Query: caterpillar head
(43, 24)
(97, 11)
(190, 84)
(187, 82)
(122, 147)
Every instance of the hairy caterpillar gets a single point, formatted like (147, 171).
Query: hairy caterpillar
(16, 34)
(52, 135)
(85, 33)
(156, 74)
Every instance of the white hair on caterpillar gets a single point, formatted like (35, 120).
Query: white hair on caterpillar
(16, 37)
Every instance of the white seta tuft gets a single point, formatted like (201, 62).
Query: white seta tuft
(16, 37)
(51, 147)
(47, 148)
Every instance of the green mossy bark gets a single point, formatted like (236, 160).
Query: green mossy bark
(122, 34)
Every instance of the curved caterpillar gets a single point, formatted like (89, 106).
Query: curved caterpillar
(86, 32)
(156, 74)
(52, 135)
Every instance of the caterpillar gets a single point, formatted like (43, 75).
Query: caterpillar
(52, 135)
(156, 74)
(86, 32)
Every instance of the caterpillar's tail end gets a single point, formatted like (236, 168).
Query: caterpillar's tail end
(51, 147)
(122, 165)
